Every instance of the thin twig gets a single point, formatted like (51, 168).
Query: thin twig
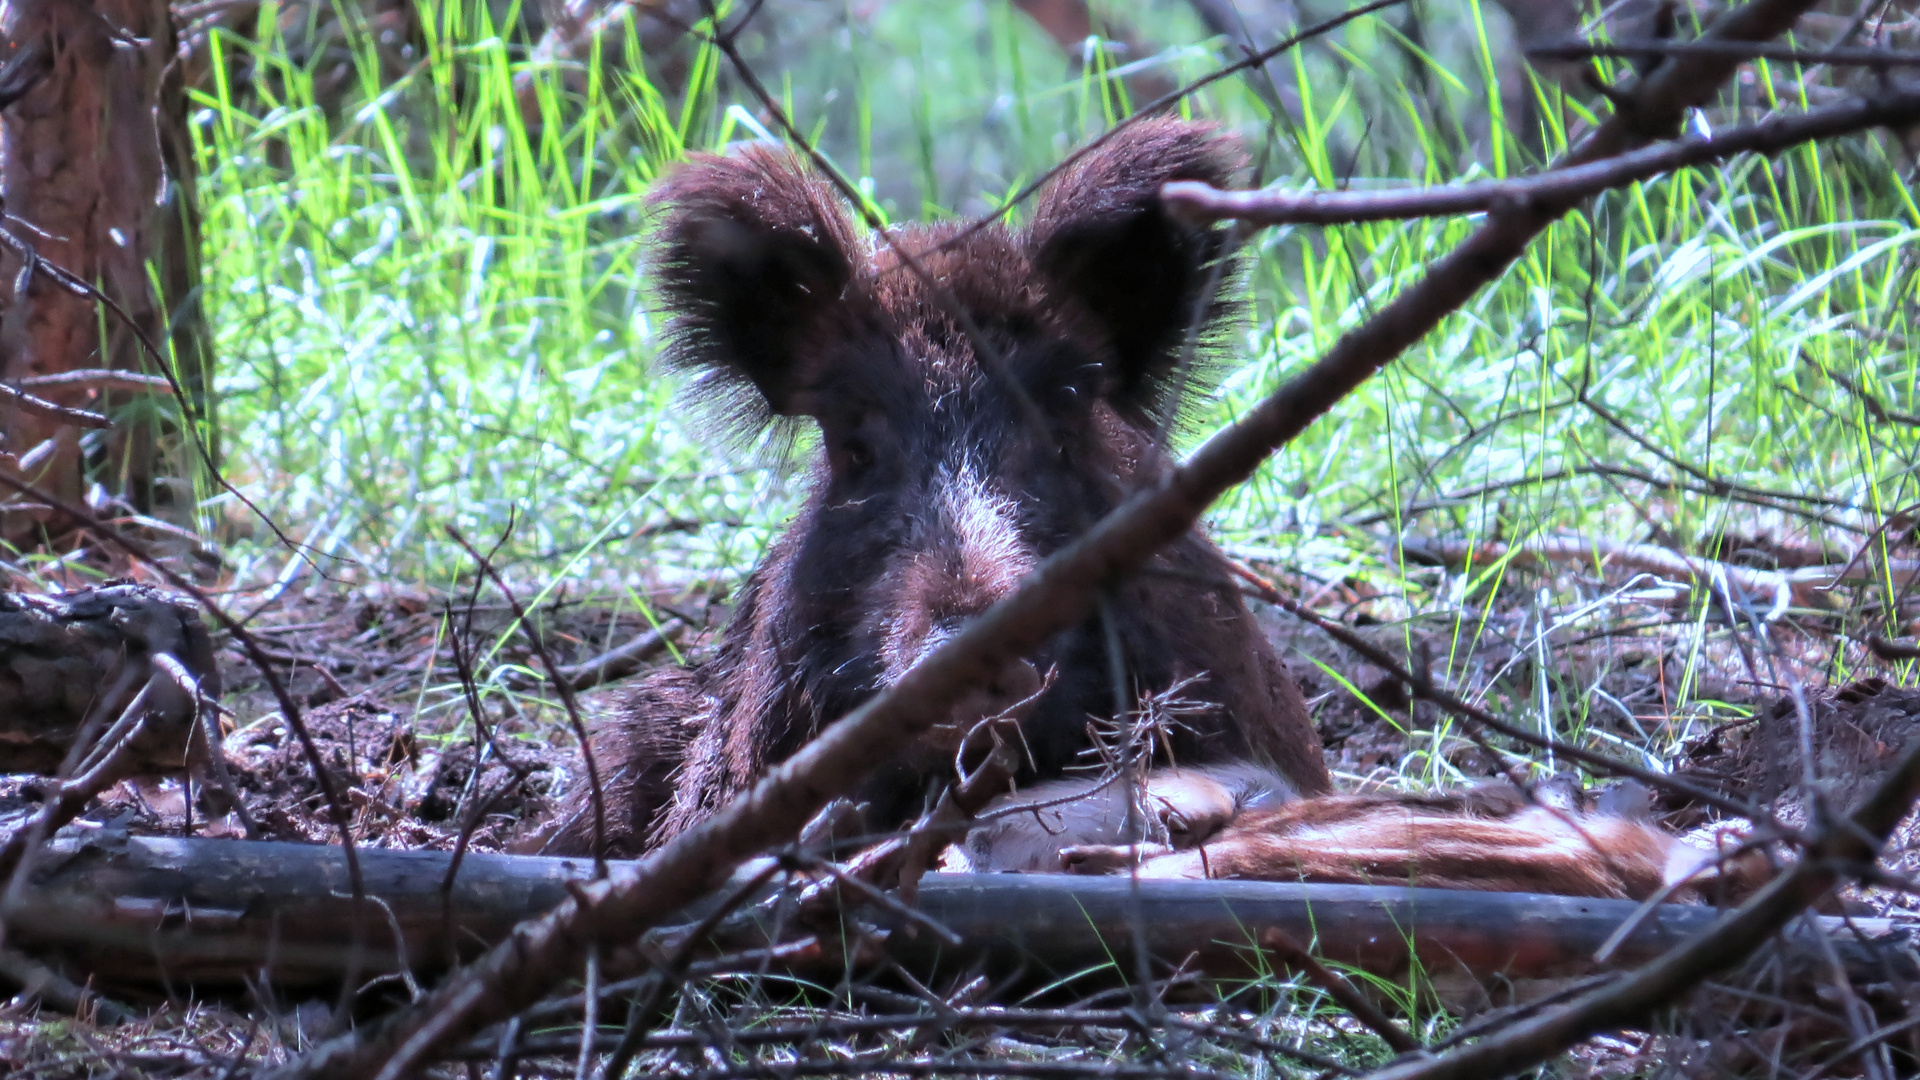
(1871, 403)
(1420, 686)
(561, 686)
(616, 663)
(81, 287)
(590, 1021)
(1718, 486)
(91, 765)
(1341, 991)
(1164, 101)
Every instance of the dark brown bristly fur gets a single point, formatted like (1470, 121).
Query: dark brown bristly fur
(957, 452)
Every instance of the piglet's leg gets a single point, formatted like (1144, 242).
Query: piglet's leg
(1116, 858)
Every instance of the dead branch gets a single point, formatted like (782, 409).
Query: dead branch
(1201, 202)
(45, 409)
(1247, 62)
(140, 912)
(1282, 945)
(1871, 403)
(1838, 847)
(101, 379)
(37, 981)
(616, 663)
(37, 266)
(1635, 48)
(1058, 595)
(1768, 592)
(1421, 686)
(1719, 488)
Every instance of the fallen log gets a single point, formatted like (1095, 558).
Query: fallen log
(148, 913)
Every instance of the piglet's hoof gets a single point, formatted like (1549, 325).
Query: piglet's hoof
(1106, 858)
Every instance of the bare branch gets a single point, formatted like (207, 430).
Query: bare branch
(100, 378)
(91, 767)
(1422, 687)
(66, 279)
(38, 406)
(1635, 48)
(1770, 591)
(1201, 202)
(1248, 62)
(616, 663)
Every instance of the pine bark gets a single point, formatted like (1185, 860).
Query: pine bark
(85, 156)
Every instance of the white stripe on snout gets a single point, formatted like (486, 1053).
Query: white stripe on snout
(987, 524)
(932, 589)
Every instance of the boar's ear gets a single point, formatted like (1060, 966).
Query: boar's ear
(755, 255)
(1124, 270)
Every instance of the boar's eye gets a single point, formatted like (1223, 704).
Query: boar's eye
(854, 443)
(856, 453)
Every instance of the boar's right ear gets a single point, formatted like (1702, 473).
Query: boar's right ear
(754, 253)
(1103, 244)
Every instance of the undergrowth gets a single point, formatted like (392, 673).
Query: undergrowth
(428, 286)
(429, 294)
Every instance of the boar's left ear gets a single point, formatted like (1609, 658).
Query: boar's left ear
(755, 255)
(1126, 270)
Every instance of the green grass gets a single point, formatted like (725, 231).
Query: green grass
(429, 313)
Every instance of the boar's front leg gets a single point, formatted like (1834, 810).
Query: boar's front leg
(639, 752)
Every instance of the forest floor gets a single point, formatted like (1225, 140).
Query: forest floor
(390, 678)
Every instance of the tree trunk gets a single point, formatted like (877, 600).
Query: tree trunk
(83, 160)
